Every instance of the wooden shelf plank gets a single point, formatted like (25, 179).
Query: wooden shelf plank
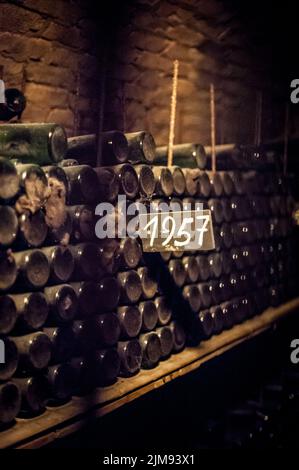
(60, 421)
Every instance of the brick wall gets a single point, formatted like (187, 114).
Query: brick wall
(48, 50)
(52, 51)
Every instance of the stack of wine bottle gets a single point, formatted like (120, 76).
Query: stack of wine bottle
(77, 312)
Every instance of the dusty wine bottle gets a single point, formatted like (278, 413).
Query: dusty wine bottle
(164, 181)
(108, 182)
(83, 375)
(165, 335)
(83, 223)
(32, 310)
(11, 355)
(84, 336)
(179, 182)
(184, 155)
(89, 295)
(237, 258)
(131, 252)
(110, 254)
(106, 329)
(214, 291)
(151, 350)
(34, 183)
(68, 162)
(226, 236)
(218, 319)
(142, 147)
(177, 270)
(215, 263)
(228, 314)
(237, 178)
(61, 378)
(192, 295)
(15, 103)
(8, 314)
(227, 209)
(62, 263)
(42, 144)
(115, 148)
(149, 315)
(81, 146)
(63, 303)
(130, 319)
(87, 261)
(109, 292)
(63, 343)
(106, 365)
(191, 179)
(216, 209)
(179, 336)
(61, 234)
(33, 230)
(9, 180)
(227, 183)
(217, 189)
(205, 325)
(204, 267)
(205, 294)
(56, 176)
(242, 233)
(35, 350)
(35, 392)
(130, 354)
(204, 185)
(131, 288)
(237, 208)
(149, 284)
(224, 291)
(191, 267)
(163, 310)
(8, 226)
(128, 180)
(10, 402)
(34, 268)
(217, 239)
(146, 180)
(83, 184)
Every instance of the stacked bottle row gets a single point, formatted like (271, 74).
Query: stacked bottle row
(74, 328)
(77, 312)
(252, 266)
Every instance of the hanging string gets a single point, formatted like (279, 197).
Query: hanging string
(213, 127)
(173, 111)
(77, 114)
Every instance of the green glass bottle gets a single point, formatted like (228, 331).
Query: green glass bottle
(184, 156)
(42, 144)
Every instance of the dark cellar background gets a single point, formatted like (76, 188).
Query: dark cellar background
(85, 62)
